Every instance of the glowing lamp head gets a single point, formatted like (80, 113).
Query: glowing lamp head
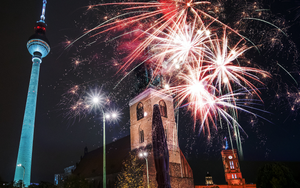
(96, 100)
(112, 116)
(20, 165)
(143, 154)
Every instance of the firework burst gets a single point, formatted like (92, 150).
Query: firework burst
(201, 58)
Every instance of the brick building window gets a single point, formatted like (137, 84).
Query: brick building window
(231, 164)
(140, 111)
(142, 136)
(163, 108)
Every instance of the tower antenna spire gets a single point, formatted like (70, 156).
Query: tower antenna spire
(43, 11)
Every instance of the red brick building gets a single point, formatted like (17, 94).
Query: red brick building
(233, 174)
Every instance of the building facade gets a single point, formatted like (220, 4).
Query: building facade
(60, 178)
(141, 110)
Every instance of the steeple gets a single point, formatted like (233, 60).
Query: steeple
(226, 143)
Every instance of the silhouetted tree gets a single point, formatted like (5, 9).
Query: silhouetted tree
(275, 175)
(18, 184)
(76, 182)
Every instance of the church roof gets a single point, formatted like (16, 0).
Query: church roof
(91, 165)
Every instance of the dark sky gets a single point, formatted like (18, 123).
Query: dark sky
(59, 141)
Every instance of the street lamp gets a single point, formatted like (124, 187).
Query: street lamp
(144, 154)
(96, 100)
(23, 174)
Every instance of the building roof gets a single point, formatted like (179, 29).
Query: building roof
(91, 165)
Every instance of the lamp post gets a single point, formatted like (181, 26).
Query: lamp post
(104, 151)
(96, 100)
(144, 154)
(20, 165)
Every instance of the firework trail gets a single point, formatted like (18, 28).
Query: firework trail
(198, 50)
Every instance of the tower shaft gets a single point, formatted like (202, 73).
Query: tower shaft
(26, 141)
(38, 46)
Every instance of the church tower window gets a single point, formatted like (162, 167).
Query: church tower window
(142, 136)
(163, 108)
(140, 111)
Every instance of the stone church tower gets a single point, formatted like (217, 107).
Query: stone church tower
(141, 110)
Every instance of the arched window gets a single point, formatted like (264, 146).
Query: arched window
(141, 136)
(140, 111)
(163, 108)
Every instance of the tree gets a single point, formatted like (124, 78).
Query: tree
(18, 183)
(132, 173)
(275, 175)
(74, 181)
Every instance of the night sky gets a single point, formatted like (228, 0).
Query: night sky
(59, 139)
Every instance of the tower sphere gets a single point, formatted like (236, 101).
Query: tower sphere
(38, 44)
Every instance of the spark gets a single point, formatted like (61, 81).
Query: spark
(201, 57)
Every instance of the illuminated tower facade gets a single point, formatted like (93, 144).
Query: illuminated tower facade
(141, 110)
(233, 174)
(141, 114)
(208, 179)
(38, 46)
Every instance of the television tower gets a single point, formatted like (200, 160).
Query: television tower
(38, 46)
